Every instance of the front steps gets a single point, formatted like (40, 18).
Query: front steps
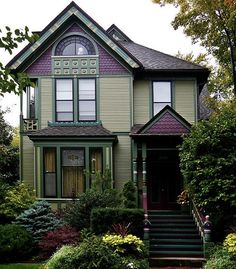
(174, 239)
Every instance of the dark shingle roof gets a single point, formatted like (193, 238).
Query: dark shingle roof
(155, 60)
(72, 131)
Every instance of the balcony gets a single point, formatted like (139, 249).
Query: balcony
(29, 125)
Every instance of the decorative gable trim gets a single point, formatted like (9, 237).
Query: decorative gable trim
(73, 10)
(166, 122)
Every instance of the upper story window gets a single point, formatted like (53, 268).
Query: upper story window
(74, 46)
(161, 95)
(76, 99)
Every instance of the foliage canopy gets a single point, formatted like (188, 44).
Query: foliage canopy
(213, 25)
(208, 161)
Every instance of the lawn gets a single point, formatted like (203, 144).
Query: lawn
(20, 266)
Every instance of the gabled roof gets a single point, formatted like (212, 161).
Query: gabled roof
(117, 34)
(73, 10)
(166, 122)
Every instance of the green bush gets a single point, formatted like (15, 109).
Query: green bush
(17, 198)
(102, 219)
(129, 193)
(208, 161)
(129, 245)
(92, 253)
(230, 243)
(15, 243)
(66, 257)
(38, 220)
(220, 259)
(77, 214)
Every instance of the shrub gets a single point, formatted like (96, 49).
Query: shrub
(92, 253)
(77, 214)
(15, 243)
(53, 240)
(66, 257)
(17, 198)
(230, 243)
(102, 219)
(220, 259)
(127, 245)
(38, 220)
(129, 193)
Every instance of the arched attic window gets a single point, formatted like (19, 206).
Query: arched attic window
(75, 45)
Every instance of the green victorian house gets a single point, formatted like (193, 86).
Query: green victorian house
(102, 101)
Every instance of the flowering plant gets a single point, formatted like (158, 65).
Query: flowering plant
(183, 198)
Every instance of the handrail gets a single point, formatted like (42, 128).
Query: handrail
(197, 218)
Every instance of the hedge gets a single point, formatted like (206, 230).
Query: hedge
(102, 219)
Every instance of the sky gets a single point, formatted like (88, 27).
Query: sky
(144, 22)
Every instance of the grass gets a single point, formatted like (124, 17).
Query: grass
(20, 266)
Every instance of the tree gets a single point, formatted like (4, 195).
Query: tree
(208, 162)
(9, 154)
(10, 82)
(213, 25)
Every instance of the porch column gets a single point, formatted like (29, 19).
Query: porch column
(144, 174)
(135, 173)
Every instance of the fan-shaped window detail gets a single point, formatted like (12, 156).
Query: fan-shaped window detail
(75, 45)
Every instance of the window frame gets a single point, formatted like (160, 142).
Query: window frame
(72, 100)
(87, 100)
(61, 167)
(171, 94)
(44, 173)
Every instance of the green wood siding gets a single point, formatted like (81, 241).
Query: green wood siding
(122, 161)
(27, 153)
(46, 101)
(185, 99)
(141, 101)
(115, 103)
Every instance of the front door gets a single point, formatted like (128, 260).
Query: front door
(163, 179)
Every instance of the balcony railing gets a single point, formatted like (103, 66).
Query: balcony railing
(29, 125)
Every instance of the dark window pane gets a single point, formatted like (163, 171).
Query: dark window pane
(50, 184)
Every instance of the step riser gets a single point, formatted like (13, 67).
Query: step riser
(174, 236)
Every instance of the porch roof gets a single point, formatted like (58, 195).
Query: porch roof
(166, 122)
(80, 131)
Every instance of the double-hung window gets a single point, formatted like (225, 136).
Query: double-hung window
(161, 95)
(84, 90)
(64, 100)
(87, 100)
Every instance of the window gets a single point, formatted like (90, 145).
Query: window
(87, 100)
(161, 95)
(49, 172)
(95, 160)
(86, 104)
(72, 172)
(75, 45)
(64, 100)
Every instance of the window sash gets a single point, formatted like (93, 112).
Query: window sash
(161, 95)
(87, 100)
(50, 189)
